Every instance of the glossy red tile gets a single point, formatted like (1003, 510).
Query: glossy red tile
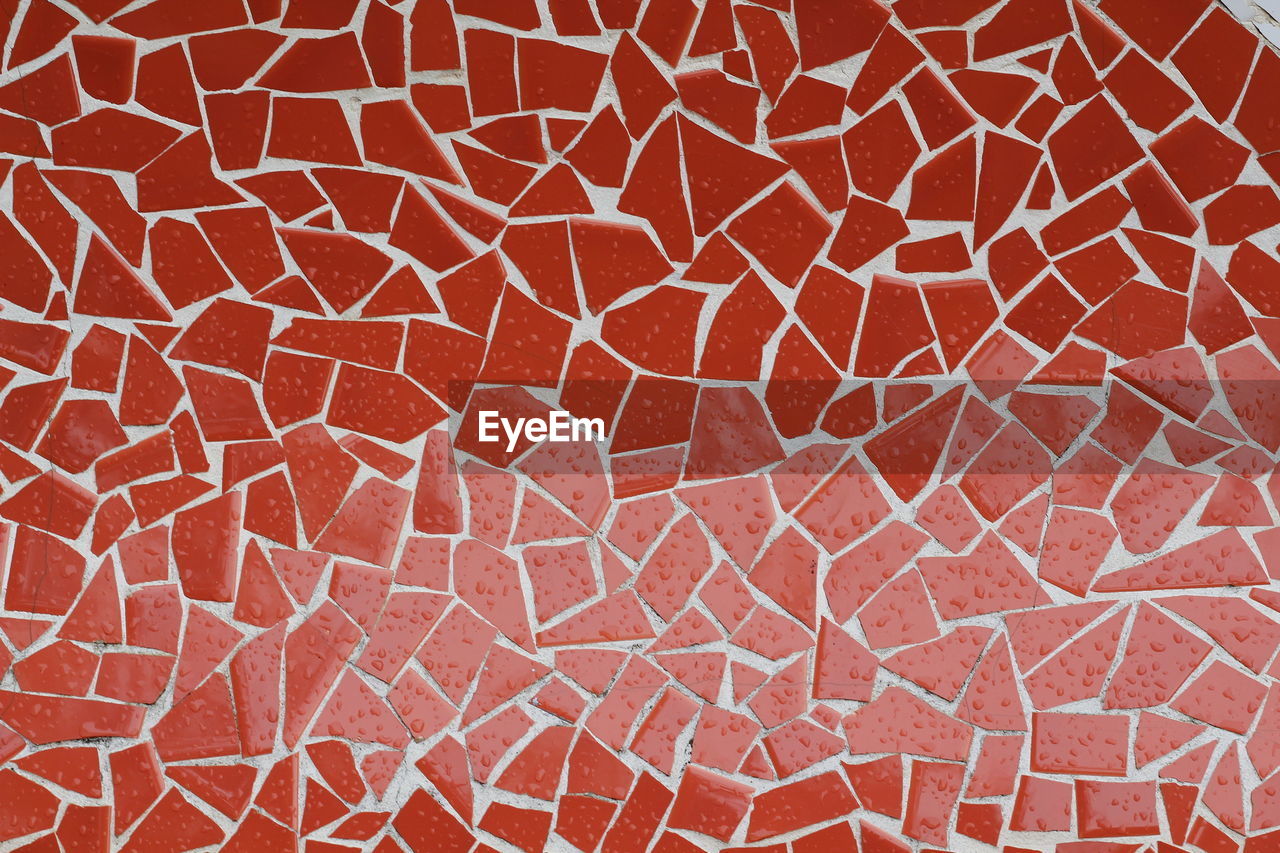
(1146, 93)
(1110, 809)
(1042, 805)
(816, 603)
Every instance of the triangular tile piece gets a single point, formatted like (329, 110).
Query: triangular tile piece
(401, 293)
(991, 700)
(96, 617)
(1159, 735)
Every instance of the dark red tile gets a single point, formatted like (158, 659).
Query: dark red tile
(1146, 93)
(1090, 147)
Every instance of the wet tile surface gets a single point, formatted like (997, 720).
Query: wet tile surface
(936, 349)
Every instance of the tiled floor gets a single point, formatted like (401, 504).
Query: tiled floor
(936, 348)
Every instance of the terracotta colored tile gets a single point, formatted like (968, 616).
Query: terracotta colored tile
(1223, 697)
(227, 60)
(800, 744)
(1023, 24)
(1072, 74)
(559, 76)
(1213, 571)
(981, 821)
(878, 784)
(1025, 525)
(885, 344)
(1102, 41)
(799, 804)
(1206, 836)
(1251, 117)
(784, 232)
(991, 700)
(931, 800)
(1075, 545)
(947, 253)
(1157, 39)
(709, 804)
(1079, 744)
(943, 187)
(600, 153)
(949, 47)
(1146, 93)
(642, 89)
(640, 816)
(902, 723)
(1042, 805)
(1079, 670)
(1134, 684)
(1240, 212)
(1108, 809)
(946, 515)
(714, 29)
(899, 614)
(354, 711)
(892, 57)
(722, 175)
(940, 113)
(1004, 472)
(995, 766)
(424, 823)
(808, 103)
(1199, 159)
(771, 635)
(1081, 157)
(880, 150)
(1154, 376)
(1037, 119)
(716, 605)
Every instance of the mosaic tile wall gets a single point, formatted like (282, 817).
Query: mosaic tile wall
(936, 345)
